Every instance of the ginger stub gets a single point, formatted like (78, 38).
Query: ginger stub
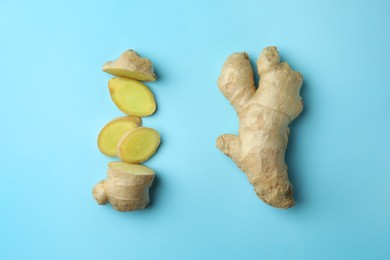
(138, 145)
(111, 133)
(132, 97)
(264, 115)
(132, 66)
(126, 187)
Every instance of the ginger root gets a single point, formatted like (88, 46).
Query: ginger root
(126, 187)
(131, 65)
(138, 145)
(264, 115)
(111, 133)
(132, 97)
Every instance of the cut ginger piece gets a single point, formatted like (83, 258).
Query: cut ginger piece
(111, 133)
(131, 65)
(138, 145)
(132, 97)
(126, 187)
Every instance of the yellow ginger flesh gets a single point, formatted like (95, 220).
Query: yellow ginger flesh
(111, 133)
(132, 97)
(138, 145)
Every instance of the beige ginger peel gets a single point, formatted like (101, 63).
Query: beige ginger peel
(264, 115)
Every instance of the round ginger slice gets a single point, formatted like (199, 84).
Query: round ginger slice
(138, 145)
(132, 97)
(111, 133)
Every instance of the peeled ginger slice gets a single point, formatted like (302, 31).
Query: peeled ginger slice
(112, 132)
(132, 97)
(138, 145)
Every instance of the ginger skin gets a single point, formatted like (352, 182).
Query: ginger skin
(264, 115)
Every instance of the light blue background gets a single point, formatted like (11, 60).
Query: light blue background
(54, 101)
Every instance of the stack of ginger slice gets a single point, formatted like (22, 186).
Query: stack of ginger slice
(127, 185)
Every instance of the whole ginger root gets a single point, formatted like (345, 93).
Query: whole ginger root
(264, 115)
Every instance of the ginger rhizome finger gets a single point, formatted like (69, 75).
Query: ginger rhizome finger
(111, 133)
(132, 66)
(132, 97)
(264, 115)
(126, 187)
(138, 145)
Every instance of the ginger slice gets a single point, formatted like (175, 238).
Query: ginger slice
(138, 145)
(111, 133)
(132, 97)
(131, 65)
(126, 187)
